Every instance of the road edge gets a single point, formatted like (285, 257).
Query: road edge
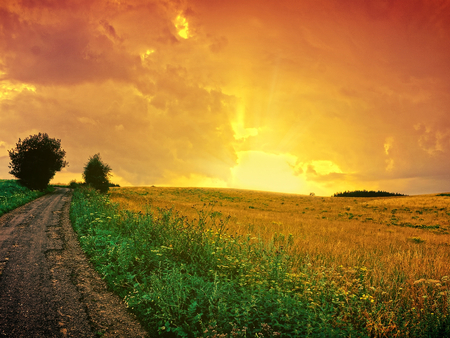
(107, 313)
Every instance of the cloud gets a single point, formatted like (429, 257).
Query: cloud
(131, 134)
(326, 94)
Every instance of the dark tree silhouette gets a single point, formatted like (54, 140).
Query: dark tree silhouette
(96, 173)
(36, 159)
(365, 193)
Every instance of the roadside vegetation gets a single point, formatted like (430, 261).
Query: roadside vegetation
(13, 195)
(230, 263)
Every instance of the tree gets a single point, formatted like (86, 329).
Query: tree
(36, 159)
(96, 173)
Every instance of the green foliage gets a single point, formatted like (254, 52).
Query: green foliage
(96, 173)
(417, 240)
(190, 279)
(13, 195)
(74, 184)
(36, 159)
(365, 193)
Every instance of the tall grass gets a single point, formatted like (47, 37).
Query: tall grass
(192, 278)
(13, 195)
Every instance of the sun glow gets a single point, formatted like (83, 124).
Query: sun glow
(258, 170)
(9, 90)
(182, 26)
(147, 53)
(238, 125)
(195, 180)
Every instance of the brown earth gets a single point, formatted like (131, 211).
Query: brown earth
(48, 288)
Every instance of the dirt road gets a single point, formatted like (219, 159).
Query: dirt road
(47, 286)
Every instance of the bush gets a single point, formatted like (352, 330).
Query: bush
(74, 184)
(96, 174)
(36, 159)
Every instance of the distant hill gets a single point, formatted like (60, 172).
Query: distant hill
(365, 193)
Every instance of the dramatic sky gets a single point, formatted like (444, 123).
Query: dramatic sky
(283, 95)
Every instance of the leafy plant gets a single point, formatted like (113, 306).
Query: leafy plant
(96, 173)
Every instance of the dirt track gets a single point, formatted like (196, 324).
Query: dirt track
(47, 286)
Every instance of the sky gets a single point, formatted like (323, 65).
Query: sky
(291, 96)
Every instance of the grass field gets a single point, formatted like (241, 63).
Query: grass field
(382, 234)
(280, 264)
(13, 195)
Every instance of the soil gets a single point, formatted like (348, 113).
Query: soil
(48, 288)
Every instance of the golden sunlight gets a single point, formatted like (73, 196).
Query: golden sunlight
(182, 26)
(195, 180)
(239, 129)
(8, 90)
(258, 170)
(147, 54)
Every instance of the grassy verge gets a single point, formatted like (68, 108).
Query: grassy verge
(13, 195)
(191, 279)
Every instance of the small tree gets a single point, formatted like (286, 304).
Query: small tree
(96, 173)
(36, 159)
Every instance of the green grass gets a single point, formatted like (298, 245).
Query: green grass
(13, 195)
(191, 279)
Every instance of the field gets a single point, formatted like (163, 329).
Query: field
(381, 234)
(13, 195)
(287, 264)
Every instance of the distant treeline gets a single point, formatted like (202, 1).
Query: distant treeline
(74, 184)
(365, 193)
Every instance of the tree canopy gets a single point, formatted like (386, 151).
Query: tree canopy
(96, 173)
(365, 193)
(36, 159)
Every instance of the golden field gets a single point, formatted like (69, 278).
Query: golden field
(385, 260)
(399, 239)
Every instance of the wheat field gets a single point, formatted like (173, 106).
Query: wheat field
(398, 239)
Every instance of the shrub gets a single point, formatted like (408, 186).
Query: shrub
(74, 184)
(96, 173)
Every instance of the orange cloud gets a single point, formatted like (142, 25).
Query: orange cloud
(180, 92)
